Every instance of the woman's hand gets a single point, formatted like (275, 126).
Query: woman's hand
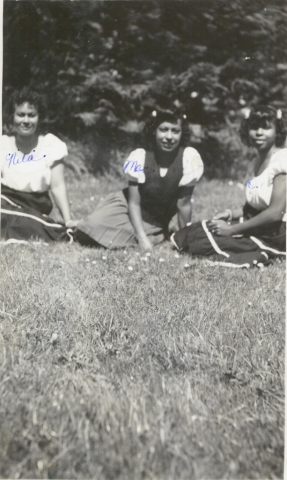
(134, 206)
(145, 244)
(72, 223)
(273, 213)
(221, 215)
(220, 227)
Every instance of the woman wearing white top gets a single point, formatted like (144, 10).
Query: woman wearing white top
(252, 234)
(31, 165)
(161, 179)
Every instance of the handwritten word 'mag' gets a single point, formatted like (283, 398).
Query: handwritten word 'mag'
(11, 158)
(252, 183)
(135, 166)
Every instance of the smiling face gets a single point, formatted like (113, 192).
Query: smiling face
(168, 136)
(25, 119)
(262, 136)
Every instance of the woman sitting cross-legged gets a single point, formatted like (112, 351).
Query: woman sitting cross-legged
(31, 165)
(161, 181)
(253, 234)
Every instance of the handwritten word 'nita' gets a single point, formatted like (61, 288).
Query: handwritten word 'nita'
(12, 160)
(135, 166)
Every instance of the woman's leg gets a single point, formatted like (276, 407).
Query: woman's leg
(109, 225)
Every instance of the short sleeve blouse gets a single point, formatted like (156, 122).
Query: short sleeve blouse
(134, 167)
(259, 189)
(30, 172)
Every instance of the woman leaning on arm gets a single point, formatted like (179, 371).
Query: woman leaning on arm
(161, 177)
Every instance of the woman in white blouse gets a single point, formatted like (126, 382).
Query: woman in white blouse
(252, 234)
(161, 179)
(31, 165)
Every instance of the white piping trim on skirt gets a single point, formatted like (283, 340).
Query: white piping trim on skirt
(261, 245)
(173, 241)
(20, 214)
(10, 201)
(212, 241)
(69, 232)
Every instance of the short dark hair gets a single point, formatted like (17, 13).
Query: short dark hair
(260, 117)
(159, 116)
(26, 96)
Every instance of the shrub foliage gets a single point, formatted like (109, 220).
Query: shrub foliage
(104, 66)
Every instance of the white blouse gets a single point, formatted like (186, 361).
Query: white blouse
(30, 172)
(191, 160)
(259, 189)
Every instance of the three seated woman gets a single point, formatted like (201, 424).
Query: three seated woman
(161, 177)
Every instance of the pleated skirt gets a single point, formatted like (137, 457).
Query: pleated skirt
(109, 225)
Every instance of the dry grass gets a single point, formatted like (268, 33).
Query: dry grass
(162, 371)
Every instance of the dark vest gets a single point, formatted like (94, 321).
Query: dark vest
(159, 195)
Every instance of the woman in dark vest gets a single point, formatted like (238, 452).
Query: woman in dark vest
(161, 181)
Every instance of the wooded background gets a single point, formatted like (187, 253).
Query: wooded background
(104, 66)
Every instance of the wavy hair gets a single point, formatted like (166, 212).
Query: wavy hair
(26, 95)
(262, 116)
(159, 116)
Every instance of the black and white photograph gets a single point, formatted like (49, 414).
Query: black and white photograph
(143, 239)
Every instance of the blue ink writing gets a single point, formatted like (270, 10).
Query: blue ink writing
(251, 184)
(11, 158)
(136, 167)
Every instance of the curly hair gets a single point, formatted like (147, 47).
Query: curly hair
(26, 96)
(263, 116)
(159, 116)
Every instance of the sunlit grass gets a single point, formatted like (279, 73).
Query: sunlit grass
(119, 365)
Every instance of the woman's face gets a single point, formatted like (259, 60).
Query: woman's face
(168, 136)
(263, 137)
(26, 119)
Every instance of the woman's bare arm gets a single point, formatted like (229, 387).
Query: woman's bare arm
(59, 191)
(134, 206)
(273, 213)
(184, 211)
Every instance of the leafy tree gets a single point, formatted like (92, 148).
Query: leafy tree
(105, 65)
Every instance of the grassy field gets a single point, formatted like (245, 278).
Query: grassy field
(119, 365)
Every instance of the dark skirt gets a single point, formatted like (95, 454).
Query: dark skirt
(24, 217)
(259, 247)
(109, 225)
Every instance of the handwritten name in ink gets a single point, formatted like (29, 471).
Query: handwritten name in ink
(131, 165)
(12, 160)
(251, 183)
